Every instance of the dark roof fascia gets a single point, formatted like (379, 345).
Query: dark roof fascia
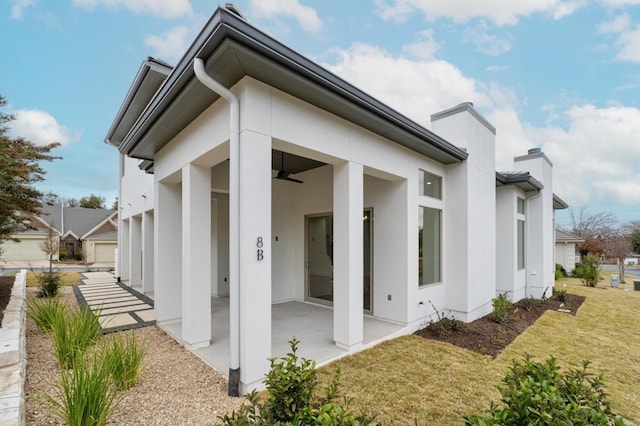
(225, 25)
(148, 65)
(146, 166)
(523, 180)
(558, 203)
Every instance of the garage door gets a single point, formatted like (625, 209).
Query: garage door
(105, 252)
(26, 249)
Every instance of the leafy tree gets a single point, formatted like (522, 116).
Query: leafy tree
(71, 202)
(114, 206)
(594, 229)
(92, 202)
(20, 170)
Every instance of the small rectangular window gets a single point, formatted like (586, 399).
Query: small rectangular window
(520, 205)
(429, 246)
(430, 185)
(521, 244)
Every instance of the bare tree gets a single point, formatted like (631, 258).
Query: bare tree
(619, 247)
(51, 244)
(595, 229)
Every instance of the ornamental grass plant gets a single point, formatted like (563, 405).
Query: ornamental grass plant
(47, 311)
(73, 333)
(123, 357)
(85, 394)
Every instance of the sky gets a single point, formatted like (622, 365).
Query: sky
(560, 75)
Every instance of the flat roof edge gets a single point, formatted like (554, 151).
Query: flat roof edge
(465, 106)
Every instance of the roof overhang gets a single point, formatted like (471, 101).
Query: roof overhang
(522, 180)
(558, 203)
(151, 74)
(233, 49)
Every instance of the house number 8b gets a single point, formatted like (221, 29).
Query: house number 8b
(259, 244)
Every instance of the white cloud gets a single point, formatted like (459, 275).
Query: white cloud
(416, 88)
(171, 46)
(306, 16)
(617, 25)
(500, 12)
(160, 8)
(485, 42)
(627, 40)
(18, 7)
(594, 149)
(423, 48)
(41, 128)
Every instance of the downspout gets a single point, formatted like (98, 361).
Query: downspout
(234, 222)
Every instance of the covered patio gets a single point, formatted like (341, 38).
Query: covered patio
(310, 323)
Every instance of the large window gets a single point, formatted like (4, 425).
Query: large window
(520, 205)
(429, 246)
(520, 244)
(430, 185)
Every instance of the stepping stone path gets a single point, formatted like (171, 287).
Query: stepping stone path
(118, 306)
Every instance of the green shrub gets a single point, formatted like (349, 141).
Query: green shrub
(561, 295)
(45, 312)
(536, 393)
(560, 271)
(291, 400)
(444, 325)
(590, 270)
(123, 357)
(84, 395)
(49, 282)
(73, 333)
(501, 306)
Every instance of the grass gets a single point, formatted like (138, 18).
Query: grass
(411, 379)
(67, 278)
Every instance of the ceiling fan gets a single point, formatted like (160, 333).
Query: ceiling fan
(283, 174)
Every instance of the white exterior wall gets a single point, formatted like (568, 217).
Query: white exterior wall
(469, 219)
(135, 199)
(539, 230)
(508, 277)
(566, 255)
(384, 174)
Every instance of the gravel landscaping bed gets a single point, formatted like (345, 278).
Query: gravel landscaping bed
(176, 387)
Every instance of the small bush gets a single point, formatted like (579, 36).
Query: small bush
(49, 283)
(561, 295)
(501, 306)
(531, 302)
(536, 393)
(590, 270)
(291, 400)
(46, 312)
(73, 333)
(123, 357)
(560, 271)
(84, 395)
(444, 325)
(77, 257)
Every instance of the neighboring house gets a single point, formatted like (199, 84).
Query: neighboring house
(308, 190)
(632, 259)
(567, 253)
(28, 245)
(85, 234)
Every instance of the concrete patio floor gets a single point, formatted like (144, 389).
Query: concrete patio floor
(311, 324)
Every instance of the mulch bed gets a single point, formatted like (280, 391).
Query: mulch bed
(488, 337)
(6, 284)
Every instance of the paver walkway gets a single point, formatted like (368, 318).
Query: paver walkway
(118, 306)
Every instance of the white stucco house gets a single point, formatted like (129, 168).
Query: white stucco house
(252, 179)
(567, 254)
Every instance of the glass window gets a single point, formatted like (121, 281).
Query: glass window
(428, 246)
(520, 205)
(521, 244)
(430, 185)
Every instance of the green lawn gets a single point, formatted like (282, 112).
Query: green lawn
(67, 278)
(413, 379)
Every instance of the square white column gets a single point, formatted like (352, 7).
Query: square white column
(196, 255)
(135, 251)
(147, 251)
(347, 254)
(255, 257)
(168, 252)
(124, 246)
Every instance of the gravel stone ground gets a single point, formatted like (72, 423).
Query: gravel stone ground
(176, 387)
